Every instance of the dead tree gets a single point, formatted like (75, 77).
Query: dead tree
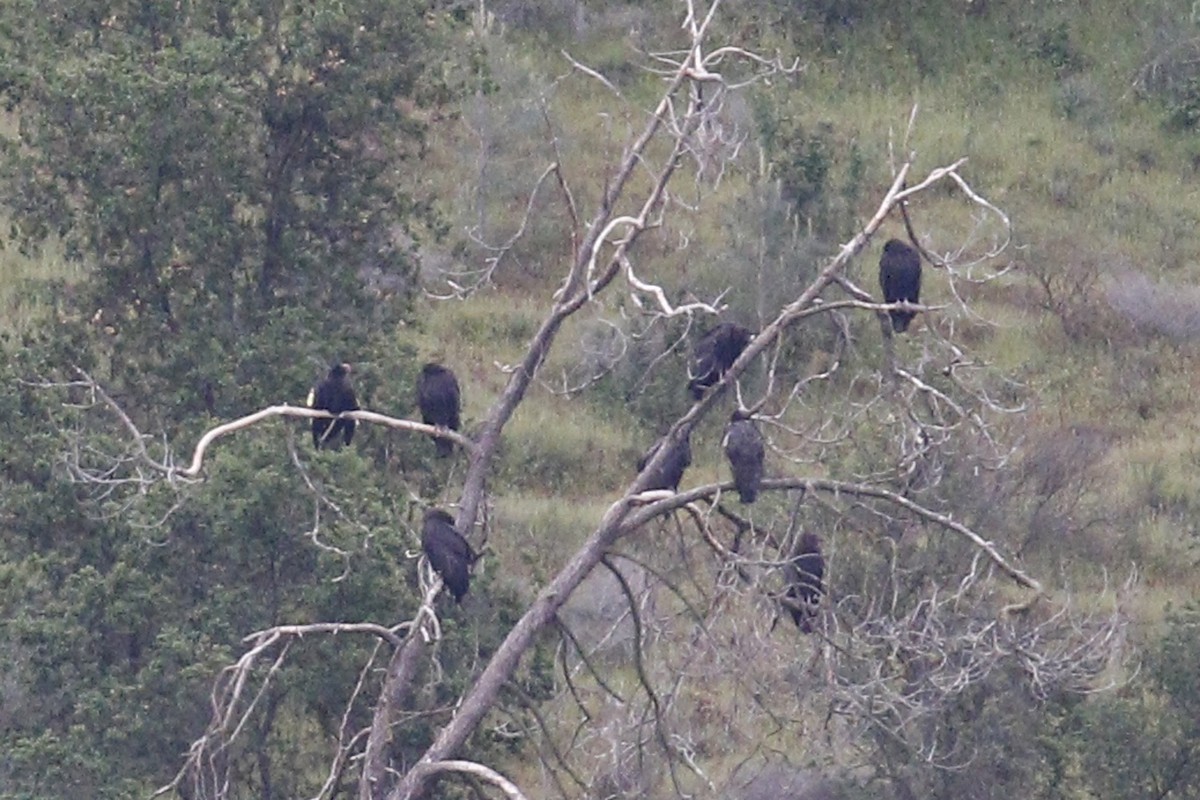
(926, 406)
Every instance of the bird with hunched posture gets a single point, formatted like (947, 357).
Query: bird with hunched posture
(448, 552)
(670, 472)
(440, 402)
(745, 449)
(335, 395)
(900, 279)
(715, 353)
(805, 575)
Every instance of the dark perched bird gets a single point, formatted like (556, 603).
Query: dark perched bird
(714, 353)
(439, 400)
(670, 472)
(900, 279)
(745, 450)
(448, 552)
(335, 395)
(806, 581)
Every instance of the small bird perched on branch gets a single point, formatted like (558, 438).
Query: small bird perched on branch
(670, 472)
(900, 279)
(335, 395)
(448, 552)
(806, 581)
(714, 354)
(745, 449)
(440, 401)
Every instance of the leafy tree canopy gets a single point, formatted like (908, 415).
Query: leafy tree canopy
(235, 176)
(216, 163)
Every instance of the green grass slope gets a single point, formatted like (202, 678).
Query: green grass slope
(1080, 121)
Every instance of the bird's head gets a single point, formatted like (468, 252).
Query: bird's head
(439, 514)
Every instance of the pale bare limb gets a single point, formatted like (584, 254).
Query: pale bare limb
(510, 789)
(347, 743)
(166, 467)
(970, 615)
(620, 516)
(230, 713)
(321, 499)
(483, 277)
(591, 73)
(664, 306)
(677, 500)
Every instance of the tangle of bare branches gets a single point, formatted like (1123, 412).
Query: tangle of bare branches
(148, 468)
(889, 660)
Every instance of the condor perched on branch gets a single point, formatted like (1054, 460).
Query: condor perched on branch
(745, 450)
(335, 395)
(714, 354)
(900, 279)
(806, 581)
(670, 472)
(439, 399)
(448, 552)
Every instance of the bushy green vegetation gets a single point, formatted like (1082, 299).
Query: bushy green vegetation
(295, 183)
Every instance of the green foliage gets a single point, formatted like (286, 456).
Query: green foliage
(1168, 73)
(563, 450)
(118, 631)
(116, 625)
(1002, 740)
(804, 163)
(215, 164)
(1054, 46)
(228, 175)
(1183, 109)
(544, 20)
(1144, 741)
(649, 381)
(819, 168)
(234, 179)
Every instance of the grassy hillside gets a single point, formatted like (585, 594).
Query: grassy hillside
(1045, 102)
(1065, 131)
(1080, 122)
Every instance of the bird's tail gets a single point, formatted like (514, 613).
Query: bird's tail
(445, 447)
(747, 489)
(900, 320)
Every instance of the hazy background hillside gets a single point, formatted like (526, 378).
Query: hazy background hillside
(207, 208)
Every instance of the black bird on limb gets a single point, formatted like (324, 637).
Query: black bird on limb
(335, 395)
(440, 402)
(448, 552)
(715, 353)
(745, 449)
(805, 575)
(900, 279)
(670, 472)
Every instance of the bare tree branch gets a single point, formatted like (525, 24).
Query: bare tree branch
(889, 658)
(230, 712)
(619, 519)
(166, 466)
(429, 769)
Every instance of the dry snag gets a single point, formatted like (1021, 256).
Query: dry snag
(889, 654)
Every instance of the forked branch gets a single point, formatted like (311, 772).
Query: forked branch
(166, 466)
